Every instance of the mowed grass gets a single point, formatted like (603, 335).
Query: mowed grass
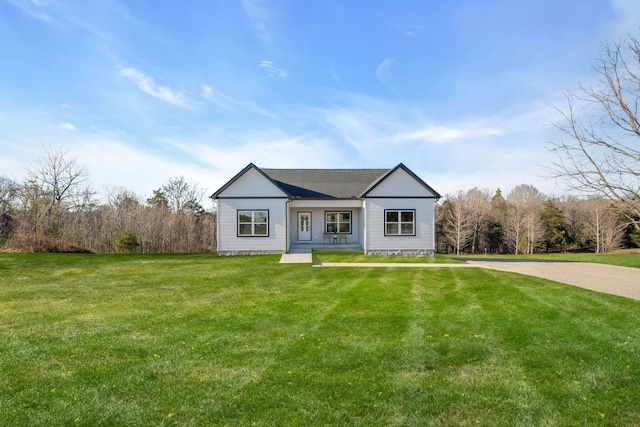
(358, 257)
(201, 340)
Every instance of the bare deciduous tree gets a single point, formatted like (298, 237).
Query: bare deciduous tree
(457, 221)
(61, 183)
(479, 202)
(523, 225)
(600, 151)
(603, 225)
(179, 193)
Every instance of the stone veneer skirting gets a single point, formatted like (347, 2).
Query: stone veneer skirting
(234, 253)
(403, 252)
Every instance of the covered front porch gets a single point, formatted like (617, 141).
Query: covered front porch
(321, 224)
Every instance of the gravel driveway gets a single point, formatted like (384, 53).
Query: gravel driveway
(622, 281)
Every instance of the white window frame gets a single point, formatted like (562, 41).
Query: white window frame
(400, 222)
(253, 223)
(337, 222)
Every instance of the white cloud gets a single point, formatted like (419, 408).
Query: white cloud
(147, 85)
(113, 163)
(271, 70)
(276, 150)
(67, 126)
(442, 134)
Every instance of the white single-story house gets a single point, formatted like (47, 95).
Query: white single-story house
(384, 211)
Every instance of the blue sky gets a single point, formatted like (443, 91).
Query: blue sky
(462, 92)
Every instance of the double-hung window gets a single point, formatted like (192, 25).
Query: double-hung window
(399, 222)
(337, 222)
(253, 223)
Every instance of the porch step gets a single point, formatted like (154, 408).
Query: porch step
(300, 249)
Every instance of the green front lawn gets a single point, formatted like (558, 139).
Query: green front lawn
(201, 340)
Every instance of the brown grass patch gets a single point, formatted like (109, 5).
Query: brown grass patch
(41, 243)
(631, 251)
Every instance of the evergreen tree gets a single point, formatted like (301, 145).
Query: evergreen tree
(555, 233)
(159, 199)
(127, 242)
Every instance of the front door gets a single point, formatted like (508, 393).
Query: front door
(304, 226)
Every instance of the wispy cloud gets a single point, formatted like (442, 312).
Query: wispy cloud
(443, 134)
(34, 9)
(67, 126)
(212, 95)
(334, 75)
(232, 104)
(259, 17)
(147, 85)
(412, 29)
(383, 72)
(271, 70)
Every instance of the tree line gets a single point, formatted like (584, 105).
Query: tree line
(525, 221)
(55, 209)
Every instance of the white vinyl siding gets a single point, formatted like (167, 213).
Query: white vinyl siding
(375, 238)
(228, 240)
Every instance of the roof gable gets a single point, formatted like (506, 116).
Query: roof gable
(400, 182)
(250, 182)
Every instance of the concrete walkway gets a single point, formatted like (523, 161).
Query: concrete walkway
(300, 254)
(296, 259)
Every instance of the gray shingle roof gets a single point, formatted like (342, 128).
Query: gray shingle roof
(325, 183)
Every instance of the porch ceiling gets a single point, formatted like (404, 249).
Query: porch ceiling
(326, 203)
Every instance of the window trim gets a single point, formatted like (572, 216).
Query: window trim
(253, 223)
(400, 211)
(338, 222)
